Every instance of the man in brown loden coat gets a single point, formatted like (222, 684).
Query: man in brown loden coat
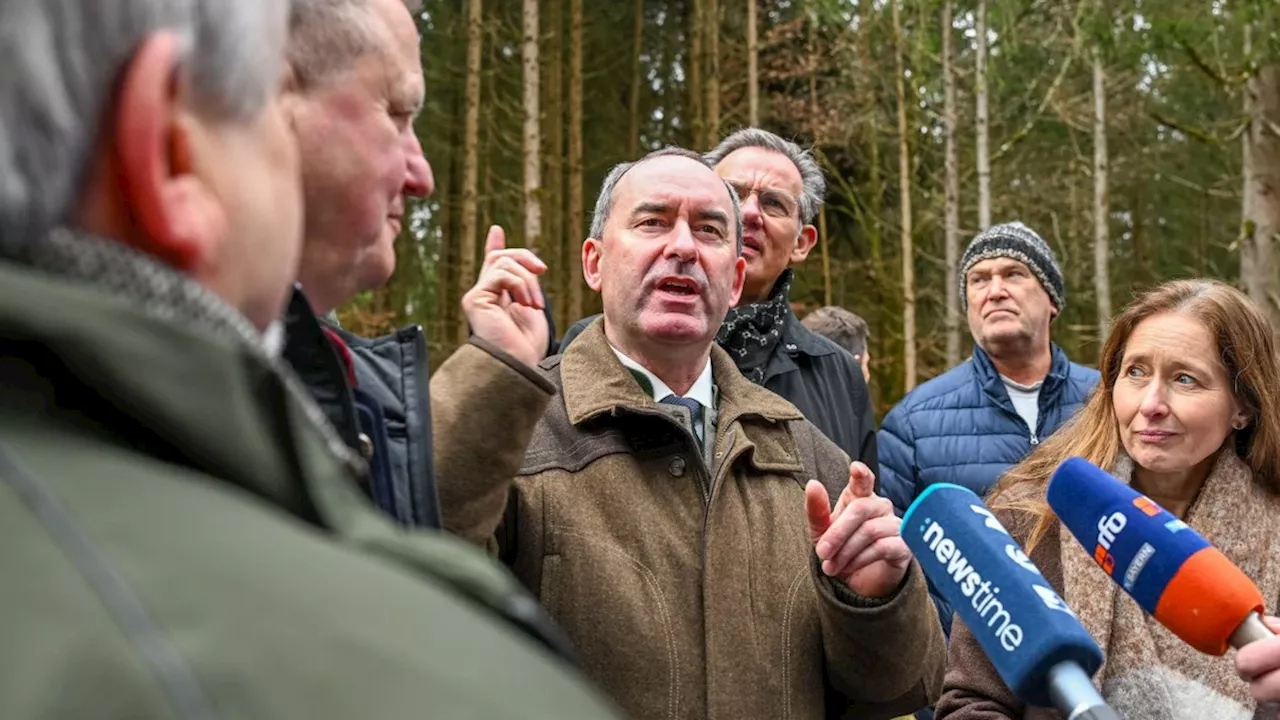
(674, 517)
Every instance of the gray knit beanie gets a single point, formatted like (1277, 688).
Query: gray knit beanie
(1017, 241)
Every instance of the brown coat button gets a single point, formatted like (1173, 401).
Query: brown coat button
(677, 466)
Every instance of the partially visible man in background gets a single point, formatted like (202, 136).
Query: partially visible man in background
(781, 189)
(355, 88)
(180, 529)
(844, 329)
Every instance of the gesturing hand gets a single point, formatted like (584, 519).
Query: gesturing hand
(858, 542)
(505, 305)
(1259, 664)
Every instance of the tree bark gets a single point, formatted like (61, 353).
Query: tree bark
(1247, 260)
(753, 71)
(637, 47)
(471, 142)
(904, 192)
(557, 279)
(1101, 235)
(576, 236)
(695, 29)
(713, 72)
(532, 129)
(952, 192)
(1262, 187)
(815, 130)
(981, 120)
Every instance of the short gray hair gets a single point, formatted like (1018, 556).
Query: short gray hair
(326, 37)
(604, 201)
(815, 184)
(62, 60)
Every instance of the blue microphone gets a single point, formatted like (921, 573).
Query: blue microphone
(1035, 642)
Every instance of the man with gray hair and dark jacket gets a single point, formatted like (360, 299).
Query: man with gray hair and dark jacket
(781, 189)
(355, 86)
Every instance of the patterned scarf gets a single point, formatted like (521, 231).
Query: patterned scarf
(1150, 674)
(751, 332)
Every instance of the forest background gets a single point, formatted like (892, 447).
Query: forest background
(1140, 138)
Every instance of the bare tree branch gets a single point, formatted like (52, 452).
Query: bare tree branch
(1195, 133)
(1203, 66)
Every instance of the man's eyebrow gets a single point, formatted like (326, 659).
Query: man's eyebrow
(714, 215)
(651, 206)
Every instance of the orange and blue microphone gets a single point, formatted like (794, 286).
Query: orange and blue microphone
(1173, 573)
(1034, 641)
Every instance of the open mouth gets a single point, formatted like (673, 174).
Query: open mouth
(678, 286)
(749, 242)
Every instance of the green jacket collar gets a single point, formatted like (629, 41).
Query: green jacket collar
(186, 384)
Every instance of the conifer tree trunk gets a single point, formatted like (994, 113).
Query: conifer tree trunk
(558, 278)
(532, 129)
(467, 241)
(1262, 188)
(815, 130)
(981, 120)
(904, 192)
(637, 47)
(952, 191)
(753, 71)
(713, 72)
(1101, 235)
(574, 226)
(695, 30)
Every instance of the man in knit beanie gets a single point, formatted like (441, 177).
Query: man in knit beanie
(970, 424)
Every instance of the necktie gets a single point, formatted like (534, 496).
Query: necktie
(693, 406)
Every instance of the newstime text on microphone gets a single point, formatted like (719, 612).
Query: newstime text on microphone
(1032, 638)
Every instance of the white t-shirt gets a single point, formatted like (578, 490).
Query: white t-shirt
(1026, 400)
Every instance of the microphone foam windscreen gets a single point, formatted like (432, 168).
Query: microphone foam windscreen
(1172, 572)
(1021, 623)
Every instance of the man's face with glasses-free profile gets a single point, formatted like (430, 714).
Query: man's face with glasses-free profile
(769, 187)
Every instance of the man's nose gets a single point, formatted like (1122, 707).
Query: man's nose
(997, 288)
(750, 209)
(680, 243)
(418, 178)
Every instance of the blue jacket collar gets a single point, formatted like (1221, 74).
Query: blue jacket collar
(993, 386)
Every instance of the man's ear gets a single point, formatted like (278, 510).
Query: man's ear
(804, 244)
(591, 258)
(154, 160)
(739, 280)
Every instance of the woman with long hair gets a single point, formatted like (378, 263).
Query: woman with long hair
(1187, 413)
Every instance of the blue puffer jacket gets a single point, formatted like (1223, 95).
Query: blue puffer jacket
(961, 428)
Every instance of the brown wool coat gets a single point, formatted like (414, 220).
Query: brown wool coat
(1148, 672)
(691, 591)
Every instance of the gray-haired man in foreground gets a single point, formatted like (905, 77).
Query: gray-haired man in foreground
(180, 528)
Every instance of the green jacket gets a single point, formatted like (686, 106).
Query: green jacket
(180, 539)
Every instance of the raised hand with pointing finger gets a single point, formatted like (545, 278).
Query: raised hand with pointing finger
(858, 541)
(505, 305)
